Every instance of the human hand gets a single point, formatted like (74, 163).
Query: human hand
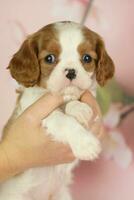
(95, 124)
(25, 142)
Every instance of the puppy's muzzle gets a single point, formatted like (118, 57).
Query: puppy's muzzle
(71, 74)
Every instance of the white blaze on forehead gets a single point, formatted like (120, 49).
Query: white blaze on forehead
(70, 36)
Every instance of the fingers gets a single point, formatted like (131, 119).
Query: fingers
(96, 128)
(66, 155)
(42, 107)
(59, 153)
(88, 98)
(96, 123)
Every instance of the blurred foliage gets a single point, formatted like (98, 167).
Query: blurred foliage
(110, 93)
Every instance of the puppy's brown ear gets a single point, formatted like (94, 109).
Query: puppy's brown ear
(24, 66)
(105, 66)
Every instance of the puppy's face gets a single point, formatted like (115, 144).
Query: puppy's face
(61, 55)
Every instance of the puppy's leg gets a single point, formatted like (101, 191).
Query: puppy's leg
(81, 111)
(66, 129)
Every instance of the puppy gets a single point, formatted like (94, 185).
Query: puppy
(65, 58)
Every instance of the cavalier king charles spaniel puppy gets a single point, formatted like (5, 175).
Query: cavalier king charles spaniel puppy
(65, 58)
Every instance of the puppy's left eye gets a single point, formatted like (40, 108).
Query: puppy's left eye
(86, 58)
(50, 59)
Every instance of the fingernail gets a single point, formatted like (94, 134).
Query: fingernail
(97, 119)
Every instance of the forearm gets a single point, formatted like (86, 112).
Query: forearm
(9, 163)
(5, 170)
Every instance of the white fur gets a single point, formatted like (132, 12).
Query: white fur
(41, 183)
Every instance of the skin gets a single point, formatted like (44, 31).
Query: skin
(26, 144)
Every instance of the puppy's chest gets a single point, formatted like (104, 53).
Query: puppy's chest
(48, 180)
(42, 180)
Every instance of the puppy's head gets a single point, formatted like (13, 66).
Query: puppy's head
(60, 55)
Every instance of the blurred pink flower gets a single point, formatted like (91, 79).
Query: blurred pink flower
(120, 152)
(84, 2)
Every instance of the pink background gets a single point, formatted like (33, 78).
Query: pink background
(100, 180)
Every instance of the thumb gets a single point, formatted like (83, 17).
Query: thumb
(43, 106)
(88, 98)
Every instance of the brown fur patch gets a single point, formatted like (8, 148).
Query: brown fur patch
(27, 65)
(102, 64)
(86, 48)
(52, 47)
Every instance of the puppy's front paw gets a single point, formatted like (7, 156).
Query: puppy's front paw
(86, 148)
(81, 111)
(71, 91)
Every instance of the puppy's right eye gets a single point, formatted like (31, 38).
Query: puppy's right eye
(86, 58)
(50, 59)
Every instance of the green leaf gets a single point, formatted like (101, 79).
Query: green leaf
(112, 92)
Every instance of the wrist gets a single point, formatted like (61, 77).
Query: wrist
(5, 169)
(10, 162)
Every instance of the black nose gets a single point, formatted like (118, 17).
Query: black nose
(71, 74)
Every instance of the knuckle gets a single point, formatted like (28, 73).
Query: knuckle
(28, 118)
